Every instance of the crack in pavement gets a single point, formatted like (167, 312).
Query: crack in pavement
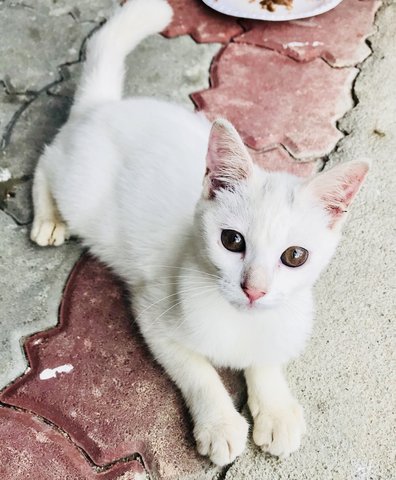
(354, 95)
(95, 468)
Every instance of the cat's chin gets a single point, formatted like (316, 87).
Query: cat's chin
(247, 307)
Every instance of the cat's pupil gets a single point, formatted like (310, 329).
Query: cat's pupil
(233, 241)
(294, 256)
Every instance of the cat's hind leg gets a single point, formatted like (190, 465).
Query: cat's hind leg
(48, 226)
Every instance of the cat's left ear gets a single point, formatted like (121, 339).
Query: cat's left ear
(227, 161)
(336, 188)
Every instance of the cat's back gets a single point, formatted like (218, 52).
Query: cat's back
(163, 148)
(161, 139)
(137, 164)
(146, 135)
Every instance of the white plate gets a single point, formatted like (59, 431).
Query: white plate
(246, 9)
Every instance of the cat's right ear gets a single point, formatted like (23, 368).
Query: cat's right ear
(227, 161)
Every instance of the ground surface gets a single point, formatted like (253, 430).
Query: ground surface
(89, 402)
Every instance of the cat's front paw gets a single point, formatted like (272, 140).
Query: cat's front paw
(222, 440)
(278, 431)
(48, 233)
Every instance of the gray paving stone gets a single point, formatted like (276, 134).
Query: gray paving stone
(81, 11)
(346, 379)
(17, 202)
(376, 109)
(31, 283)
(36, 126)
(167, 69)
(170, 69)
(35, 46)
(9, 104)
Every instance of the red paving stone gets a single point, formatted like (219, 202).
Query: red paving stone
(115, 401)
(32, 449)
(274, 100)
(193, 17)
(338, 36)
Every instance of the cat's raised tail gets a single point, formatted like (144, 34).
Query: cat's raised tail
(103, 74)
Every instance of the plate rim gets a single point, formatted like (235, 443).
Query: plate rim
(271, 16)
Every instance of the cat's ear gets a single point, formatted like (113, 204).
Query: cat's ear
(227, 161)
(337, 187)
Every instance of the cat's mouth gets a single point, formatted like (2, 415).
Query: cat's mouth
(253, 307)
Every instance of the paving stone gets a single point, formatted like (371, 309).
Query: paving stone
(375, 112)
(272, 99)
(30, 448)
(44, 35)
(169, 69)
(159, 67)
(339, 36)
(36, 126)
(278, 160)
(9, 104)
(82, 10)
(112, 398)
(37, 43)
(204, 24)
(31, 284)
(16, 200)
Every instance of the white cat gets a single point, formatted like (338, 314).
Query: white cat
(221, 274)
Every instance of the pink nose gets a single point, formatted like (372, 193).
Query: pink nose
(252, 293)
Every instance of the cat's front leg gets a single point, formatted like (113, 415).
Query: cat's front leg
(220, 431)
(278, 417)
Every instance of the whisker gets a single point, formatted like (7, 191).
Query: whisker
(195, 282)
(184, 277)
(184, 317)
(169, 296)
(185, 268)
(178, 303)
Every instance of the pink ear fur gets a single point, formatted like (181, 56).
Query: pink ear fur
(227, 160)
(336, 188)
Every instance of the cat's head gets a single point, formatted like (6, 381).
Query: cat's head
(268, 234)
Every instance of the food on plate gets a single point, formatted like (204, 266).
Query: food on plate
(270, 4)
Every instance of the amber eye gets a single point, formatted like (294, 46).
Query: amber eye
(294, 256)
(233, 241)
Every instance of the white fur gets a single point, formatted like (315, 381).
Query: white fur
(126, 176)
